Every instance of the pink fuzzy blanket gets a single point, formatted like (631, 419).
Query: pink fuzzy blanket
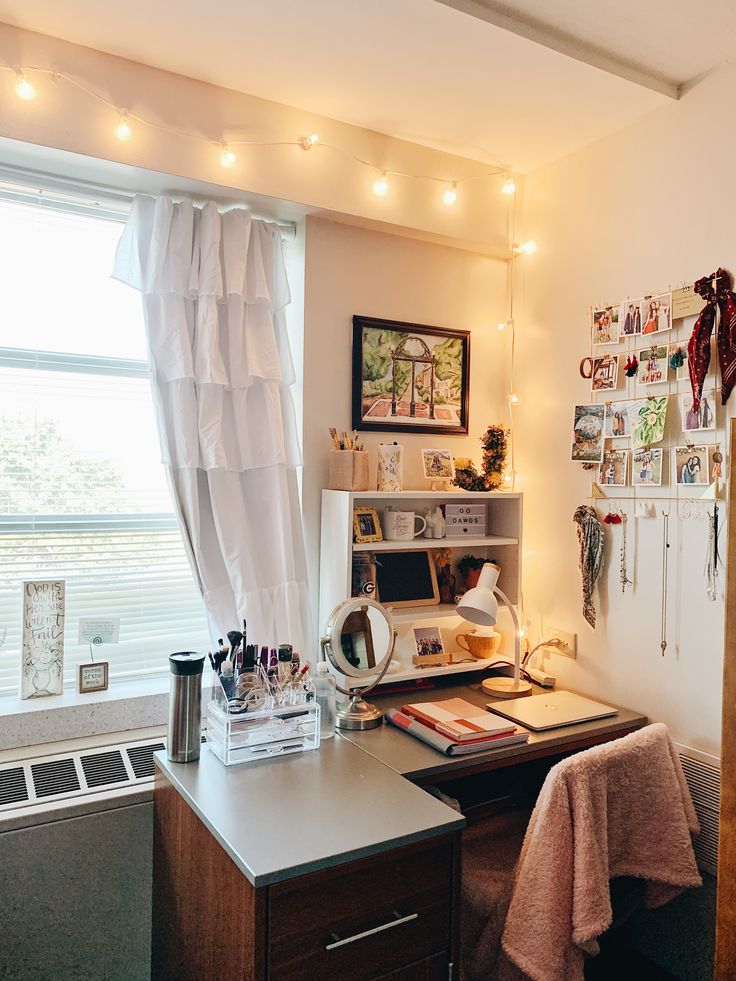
(621, 809)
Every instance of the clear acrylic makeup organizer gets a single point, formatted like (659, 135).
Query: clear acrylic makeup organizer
(276, 723)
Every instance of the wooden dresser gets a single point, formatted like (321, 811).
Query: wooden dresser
(388, 915)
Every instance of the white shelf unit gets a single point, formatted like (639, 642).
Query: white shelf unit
(501, 543)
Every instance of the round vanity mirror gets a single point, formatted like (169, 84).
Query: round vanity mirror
(359, 642)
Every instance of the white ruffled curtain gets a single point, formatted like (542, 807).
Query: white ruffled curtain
(214, 291)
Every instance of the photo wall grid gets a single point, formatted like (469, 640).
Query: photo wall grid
(639, 427)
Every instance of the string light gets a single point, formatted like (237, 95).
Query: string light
(514, 399)
(23, 88)
(508, 478)
(123, 130)
(503, 324)
(450, 194)
(380, 185)
(228, 157)
(525, 248)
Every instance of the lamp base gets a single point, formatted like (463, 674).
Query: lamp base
(506, 687)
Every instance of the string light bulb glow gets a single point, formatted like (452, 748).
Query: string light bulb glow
(505, 323)
(514, 399)
(23, 88)
(508, 477)
(380, 185)
(526, 248)
(450, 194)
(123, 130)
(509, 186)
(228, 157)
(307, 142)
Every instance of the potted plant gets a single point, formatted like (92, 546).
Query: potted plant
(469, 567)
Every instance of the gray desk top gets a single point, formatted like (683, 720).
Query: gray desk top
(278, 819)
(416, 760)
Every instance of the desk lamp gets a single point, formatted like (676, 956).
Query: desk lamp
(479, 605)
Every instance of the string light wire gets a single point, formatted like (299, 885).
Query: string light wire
(218, 143)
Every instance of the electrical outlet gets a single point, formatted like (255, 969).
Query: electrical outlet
(568, 642)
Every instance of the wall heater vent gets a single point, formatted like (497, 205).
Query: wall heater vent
(71, 775)
(704, 781)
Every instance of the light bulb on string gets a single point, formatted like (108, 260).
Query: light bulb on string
(505, 323)
(228, 157)
(380, 185)
(450, 194)
(123, 129)
(508, 477)
(509, 186)
(525, 248)
(23, 88)
(307, 142)
(514, 399)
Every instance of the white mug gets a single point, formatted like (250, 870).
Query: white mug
(400, 526)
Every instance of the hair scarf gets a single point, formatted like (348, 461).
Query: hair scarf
(698, 348)
(590, 540)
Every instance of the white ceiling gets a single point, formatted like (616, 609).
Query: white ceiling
(415, 69)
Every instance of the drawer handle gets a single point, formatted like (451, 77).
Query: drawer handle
(397, 921)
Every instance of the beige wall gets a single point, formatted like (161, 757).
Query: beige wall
(354, 271)
(68, 119)
(649, 207)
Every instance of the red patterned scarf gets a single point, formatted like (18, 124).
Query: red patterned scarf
(698, 347)
(726, 333)
(716, 291)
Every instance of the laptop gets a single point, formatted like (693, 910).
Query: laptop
(559, 708)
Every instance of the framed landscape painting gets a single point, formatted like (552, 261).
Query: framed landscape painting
(410, 378)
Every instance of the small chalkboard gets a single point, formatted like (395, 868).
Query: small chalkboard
(406, 579)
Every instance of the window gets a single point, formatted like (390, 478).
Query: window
(83, 495)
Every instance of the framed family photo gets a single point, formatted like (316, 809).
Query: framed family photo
(410, 378)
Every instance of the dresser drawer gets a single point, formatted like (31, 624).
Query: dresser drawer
(364, 919)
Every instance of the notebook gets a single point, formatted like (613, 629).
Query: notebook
(448, 746)
(560, 708)
(458, 719)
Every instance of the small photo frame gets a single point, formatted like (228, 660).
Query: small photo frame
(617, 425)
(366, 525)
(654, 365)
(438, 465)
(93, 677)
(629, 319)
(656, 314)
(613, 469)
(430, 650)
(604, 324)
(646, 467)
(700, 420)
(691, 465)
(604, 375)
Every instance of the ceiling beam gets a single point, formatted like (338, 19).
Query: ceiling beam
(503, 16)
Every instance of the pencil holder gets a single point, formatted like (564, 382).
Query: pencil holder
(348, 470)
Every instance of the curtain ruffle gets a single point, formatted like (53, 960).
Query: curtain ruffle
(170, 247)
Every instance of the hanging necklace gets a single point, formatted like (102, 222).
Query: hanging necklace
(712, 557)
(665, 557)
(623, 576)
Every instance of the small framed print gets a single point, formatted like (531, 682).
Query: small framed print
(92, 677)
(366, 526)
(438, 465)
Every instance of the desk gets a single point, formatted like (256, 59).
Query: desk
(421, 763)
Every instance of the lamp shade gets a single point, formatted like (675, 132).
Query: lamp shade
(479, 605)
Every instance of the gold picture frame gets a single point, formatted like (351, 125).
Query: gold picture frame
(366, 526)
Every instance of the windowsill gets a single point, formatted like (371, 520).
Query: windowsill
(124, 706)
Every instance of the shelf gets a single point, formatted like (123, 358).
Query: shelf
(413, 673)
(445, 495)
(421, 544)
(406, 614)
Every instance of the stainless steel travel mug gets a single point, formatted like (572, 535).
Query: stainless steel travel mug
(185, 707)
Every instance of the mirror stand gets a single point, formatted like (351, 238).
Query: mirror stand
(358, 641)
